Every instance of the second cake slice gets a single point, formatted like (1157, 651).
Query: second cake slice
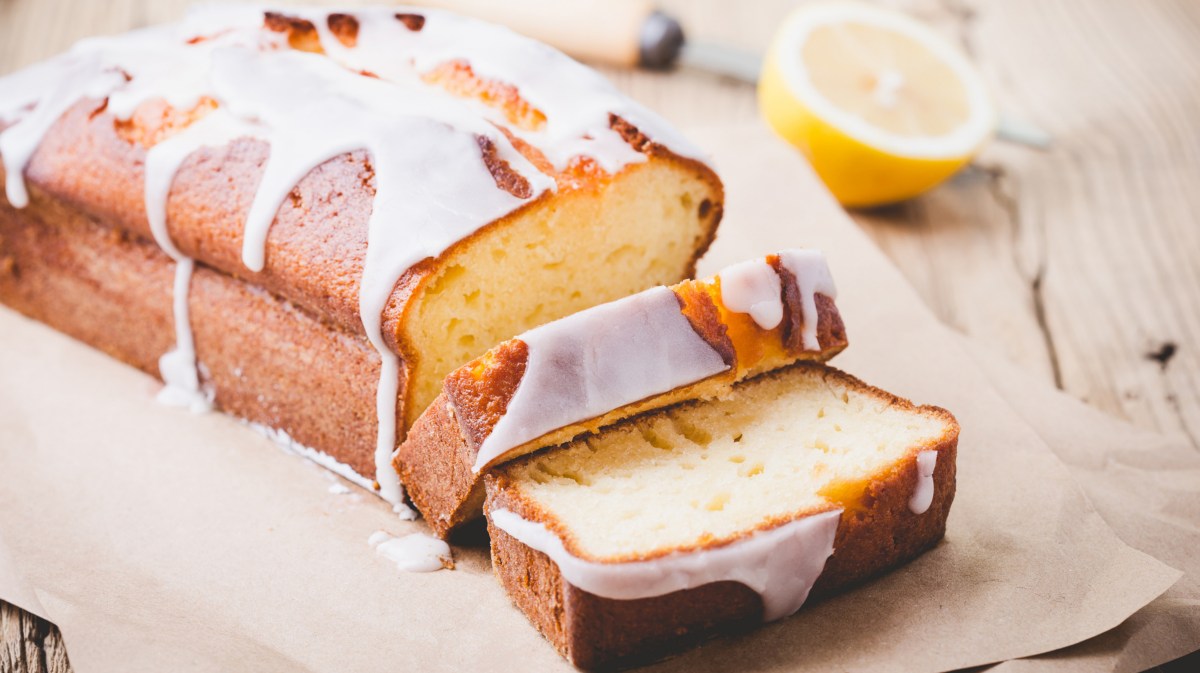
(665, 345)
(711, 516)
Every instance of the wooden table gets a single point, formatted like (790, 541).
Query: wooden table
(1081, 264)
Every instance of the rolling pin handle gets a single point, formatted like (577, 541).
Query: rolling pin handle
(660, 41)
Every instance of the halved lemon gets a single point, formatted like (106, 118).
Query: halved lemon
(882, 105)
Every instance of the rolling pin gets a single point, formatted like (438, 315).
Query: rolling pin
(632, 33)
(626, 33)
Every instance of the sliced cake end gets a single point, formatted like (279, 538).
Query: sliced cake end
(665, 529)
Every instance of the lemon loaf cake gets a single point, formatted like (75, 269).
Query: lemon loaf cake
(612, 361)
(307, 218)
(671, 527)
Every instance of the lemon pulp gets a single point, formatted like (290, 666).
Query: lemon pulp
(882, 106)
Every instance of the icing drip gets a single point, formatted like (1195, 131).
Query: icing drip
(753, 287)
(94, 69)
(284, 441)
(432, 186)
(73, 79)
(319, 111)
(780, 564)
(178, 367)
(922, 496)
(414, 553)
(597, 360)
(813, 276)
(181, 376)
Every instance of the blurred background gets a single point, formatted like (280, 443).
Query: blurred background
(1078, 260)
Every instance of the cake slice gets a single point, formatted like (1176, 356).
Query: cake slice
(593, 368)
(664, 530)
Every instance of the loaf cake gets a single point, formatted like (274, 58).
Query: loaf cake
(711, 516)
(308, 218)
(590, 369)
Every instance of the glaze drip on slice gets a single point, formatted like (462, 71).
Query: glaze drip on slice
(780, 564)
(753, 287)
(600, 359)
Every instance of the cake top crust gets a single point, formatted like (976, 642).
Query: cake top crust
(446, 147)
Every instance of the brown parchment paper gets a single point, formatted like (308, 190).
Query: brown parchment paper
(158, 540)
(1147, 487)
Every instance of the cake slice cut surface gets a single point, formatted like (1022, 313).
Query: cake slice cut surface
(671, 526)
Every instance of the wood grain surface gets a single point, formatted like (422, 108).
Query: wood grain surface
(1080, 263)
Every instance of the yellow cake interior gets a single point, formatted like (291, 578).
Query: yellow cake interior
(587, 246)
(791, 441)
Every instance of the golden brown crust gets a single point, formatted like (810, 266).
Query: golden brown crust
(449, 507)
(580, 625)
(459, 78)
(830, 328)
(632, 135)
(436, 460)
(877, 532)
(829, 325)
(480, 391)
(699, 307)
(413, 22)
(505, 177)
(301, 33)
(599, 633)
(344, 27)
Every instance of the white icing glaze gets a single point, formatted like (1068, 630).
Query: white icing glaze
(405, 512)
(284, 441)
(414, 553)
(432, 187)
(780, 564)
(180, 374)
(178, 366)
(753, 287)
(922, 496)
(597, 360)
(339, 489)
(159, 64)
(575, 99)
(21, 140)
(813, 277)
